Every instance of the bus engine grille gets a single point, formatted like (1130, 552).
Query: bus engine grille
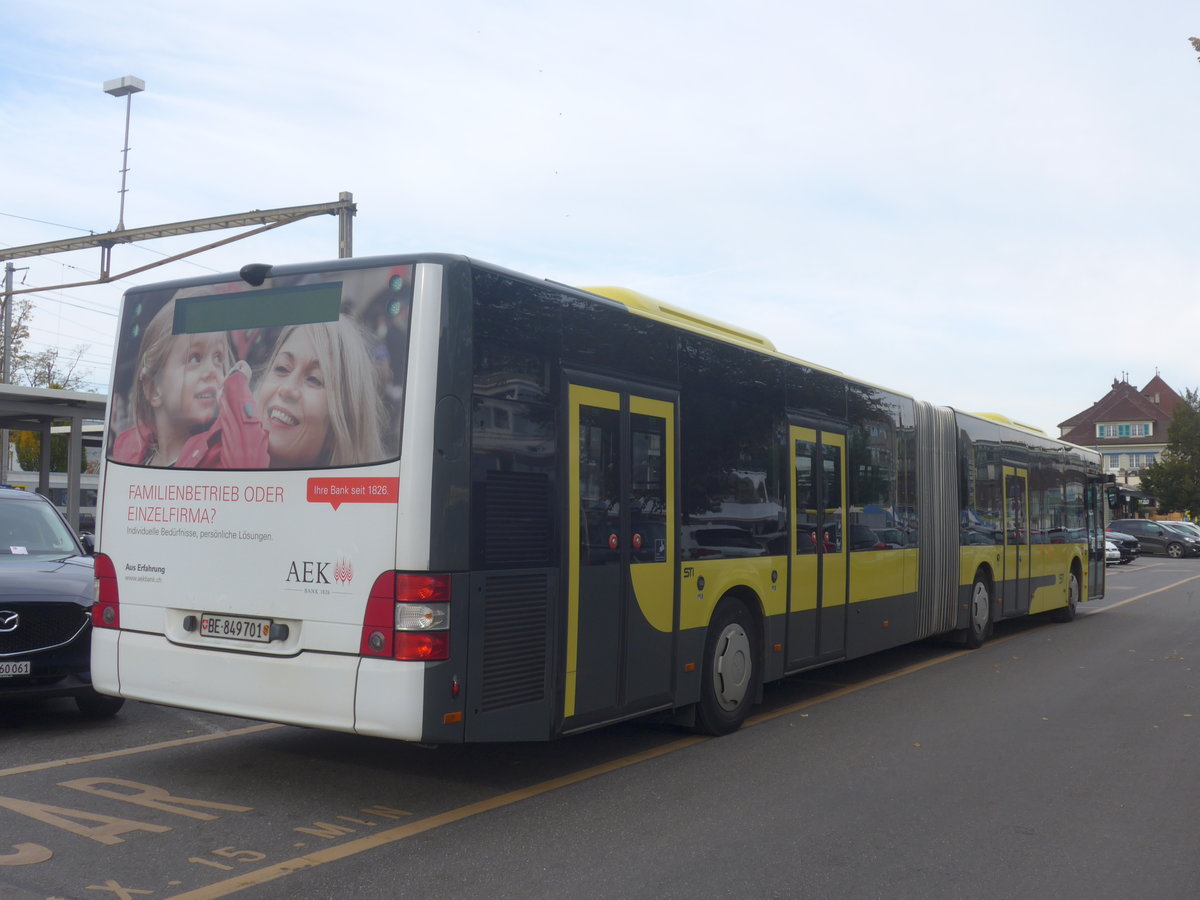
(517, 520)
(516, 622)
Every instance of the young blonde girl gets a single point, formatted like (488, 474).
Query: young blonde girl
(176, 392)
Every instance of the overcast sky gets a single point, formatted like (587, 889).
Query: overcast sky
(992, 206)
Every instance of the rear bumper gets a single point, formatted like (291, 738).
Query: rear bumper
(316, 690)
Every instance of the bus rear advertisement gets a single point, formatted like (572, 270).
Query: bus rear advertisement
(427, 498)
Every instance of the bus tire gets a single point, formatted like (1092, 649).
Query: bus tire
(1067, 613)
(979, 628)
(727, 688)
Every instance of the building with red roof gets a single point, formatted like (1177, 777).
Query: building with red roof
(1127, 425)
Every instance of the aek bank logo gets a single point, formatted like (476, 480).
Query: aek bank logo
(307, 571)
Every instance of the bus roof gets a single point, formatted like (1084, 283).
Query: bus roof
(1005, 420)
(643, 305)
(657, 309)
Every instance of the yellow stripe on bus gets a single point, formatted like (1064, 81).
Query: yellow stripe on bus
(579, 396)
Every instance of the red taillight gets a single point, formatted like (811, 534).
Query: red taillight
(422, 588)
(417, 645)
(379, 621)
(407, 617)
(106, 610)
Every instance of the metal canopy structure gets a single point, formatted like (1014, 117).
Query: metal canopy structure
(36, 409)
(266, 219)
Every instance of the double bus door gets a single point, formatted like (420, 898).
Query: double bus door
(621, 556)
(1017, 556)
(1094, 501)
(816, 629)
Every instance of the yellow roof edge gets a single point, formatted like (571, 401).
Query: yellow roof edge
(1006, 420)
(665, 312)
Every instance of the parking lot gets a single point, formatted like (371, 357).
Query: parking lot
(1053, 760)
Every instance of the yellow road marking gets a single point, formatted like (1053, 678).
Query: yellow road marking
(1096, 612)
(401, 832)
(133, 751)
(392, 835)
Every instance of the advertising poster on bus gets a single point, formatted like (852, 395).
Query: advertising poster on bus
(258, 428)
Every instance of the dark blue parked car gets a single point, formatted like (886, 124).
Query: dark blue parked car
(46, 592)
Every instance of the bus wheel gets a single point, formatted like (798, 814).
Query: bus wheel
(727, 687)
(980, 627)
(1067, 613)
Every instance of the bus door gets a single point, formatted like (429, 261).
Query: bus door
(1094, 501)
(1017, 556)
(816, 629)
(621, 572)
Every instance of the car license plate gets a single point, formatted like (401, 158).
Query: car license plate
(236, 628)
(8, 669)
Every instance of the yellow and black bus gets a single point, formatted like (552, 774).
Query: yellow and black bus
(428, 498)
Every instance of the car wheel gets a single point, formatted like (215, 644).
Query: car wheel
(728, 680)
(94, 705)
(1067, 613)
(980, 627)
(1174, 550)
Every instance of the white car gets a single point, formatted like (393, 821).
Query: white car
(1112, 553)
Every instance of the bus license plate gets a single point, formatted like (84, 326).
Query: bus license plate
(8, 669)
(236, 628)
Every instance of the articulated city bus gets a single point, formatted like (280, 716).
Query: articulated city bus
(427, 498)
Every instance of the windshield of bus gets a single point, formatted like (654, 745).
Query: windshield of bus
(302, 372)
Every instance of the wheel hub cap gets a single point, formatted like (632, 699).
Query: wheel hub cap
(732, 670)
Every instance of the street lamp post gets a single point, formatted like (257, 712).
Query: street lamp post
(8, 297)
(124, 87)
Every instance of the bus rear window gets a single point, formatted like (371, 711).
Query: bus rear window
(301, 304)
(304, 372)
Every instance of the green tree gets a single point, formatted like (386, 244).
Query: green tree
(22, 309)
(49, 368)
(1175, 479)
(29, 451)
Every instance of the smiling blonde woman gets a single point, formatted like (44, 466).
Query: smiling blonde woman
(318, 398)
